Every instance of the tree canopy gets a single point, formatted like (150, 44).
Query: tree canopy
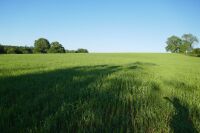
(56, 47)
(41, 45)
(181, 45)
(81, 50)
(173, 44)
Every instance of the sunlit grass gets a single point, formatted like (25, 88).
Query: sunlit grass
(99, 92)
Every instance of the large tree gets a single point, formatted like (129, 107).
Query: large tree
(181, 45)
(189, 40)
(56, 47)
(184, 47)
(173, 44)
(42, 45)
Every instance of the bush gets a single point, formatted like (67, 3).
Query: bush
(70, 51)
(196, 52)
(81, 50)
(11, 50)
(26, 50)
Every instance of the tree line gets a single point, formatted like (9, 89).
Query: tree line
(184, 44)
(41, 45)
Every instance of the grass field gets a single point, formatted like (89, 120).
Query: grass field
(99, 93)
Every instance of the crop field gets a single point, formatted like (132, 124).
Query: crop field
(132, 92)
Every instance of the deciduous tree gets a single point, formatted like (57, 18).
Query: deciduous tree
(173, 44)
(42, 45)
(56, 47)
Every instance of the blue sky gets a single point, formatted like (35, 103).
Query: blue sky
(99, 25)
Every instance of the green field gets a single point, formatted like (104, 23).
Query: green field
(99, 93)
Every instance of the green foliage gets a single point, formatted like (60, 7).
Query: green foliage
(157, 93)
(41, 45)
(7, 49)
(27, 50)
(2, 49)
(56, 47)
(185, 47)
(173, 44)
(70, 51)
(81, 50)
(11, 50)
(181, 45)
(190, 38)
(196, 52)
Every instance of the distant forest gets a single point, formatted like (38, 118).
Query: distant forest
(41, 45)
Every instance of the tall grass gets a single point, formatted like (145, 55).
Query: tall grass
(99, 93)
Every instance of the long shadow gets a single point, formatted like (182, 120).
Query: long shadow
(27, 101)
(67, 100)
(181, 122)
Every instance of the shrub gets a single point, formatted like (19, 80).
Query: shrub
(81, 50)
(196, 52)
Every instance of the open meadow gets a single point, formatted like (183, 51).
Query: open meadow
(132, 92)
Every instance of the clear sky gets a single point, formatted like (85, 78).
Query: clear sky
(99, 25)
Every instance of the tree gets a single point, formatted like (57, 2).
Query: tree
(173, 44)
(56, 47)
(70, 51)
(41, 45)
(184, 47)
(189, 40)
(196, 51)
(11, 50)
(2, 51)
(26, 50)
(181, 45)
(81, 50)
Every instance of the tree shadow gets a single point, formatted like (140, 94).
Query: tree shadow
(138, 64)
(181, 122)
(27, 100)
(67, 100)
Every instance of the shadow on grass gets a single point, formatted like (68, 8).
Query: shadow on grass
(66, 100)
(181, 122)
(27, 101)
(138, 64)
